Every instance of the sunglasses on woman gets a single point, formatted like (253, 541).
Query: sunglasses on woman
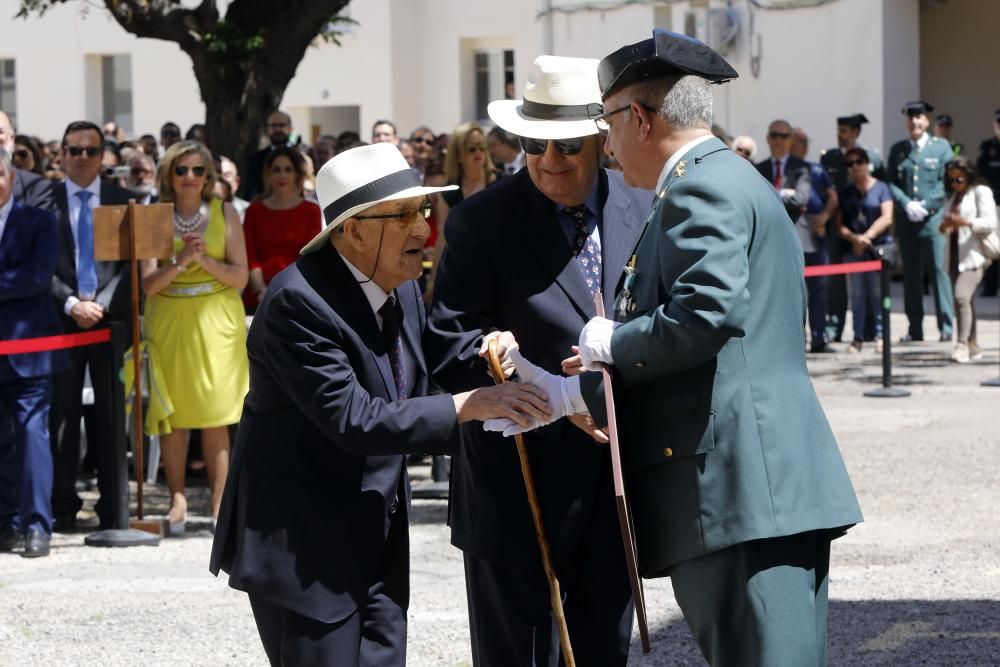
(476, 148)
(77, 151)
(21, 154)
(407, 216)
(852, 163)
(564, 146)
(182, 170)
(956, 179)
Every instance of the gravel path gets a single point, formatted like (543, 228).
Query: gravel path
(917, 583)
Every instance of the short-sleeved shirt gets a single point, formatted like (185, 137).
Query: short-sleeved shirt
(860, 211)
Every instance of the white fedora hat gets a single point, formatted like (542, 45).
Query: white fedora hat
(560, 100)
(359, 178)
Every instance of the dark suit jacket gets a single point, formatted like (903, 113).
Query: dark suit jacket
(798, 178)
(34, 190)
(722, 436)
(509, 266)
(317, 467)
(112, 277)
(28, 252)
(252, 181)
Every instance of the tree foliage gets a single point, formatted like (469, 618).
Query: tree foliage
(243, 59)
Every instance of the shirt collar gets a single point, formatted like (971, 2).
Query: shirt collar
(922, 141)
(676, 157)
(5, 211)
(375, 295)
(94, 189)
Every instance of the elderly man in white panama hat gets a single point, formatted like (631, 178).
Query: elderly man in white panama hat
(526, 255)
(313, 524)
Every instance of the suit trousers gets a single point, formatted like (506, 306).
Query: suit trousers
(373, 636)
(924, 255)
(816, 290)
(25, 458)
(759, 603)
(509, 613)
(104, 361)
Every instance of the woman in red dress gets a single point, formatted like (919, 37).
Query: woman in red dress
(279, 223)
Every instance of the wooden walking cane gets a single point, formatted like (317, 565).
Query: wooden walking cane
(555, 595)
(624, 513)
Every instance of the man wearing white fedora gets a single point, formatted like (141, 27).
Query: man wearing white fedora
(313, 523)
(526, 256)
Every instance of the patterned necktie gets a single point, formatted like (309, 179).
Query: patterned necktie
(390, 334)
(588, 255)
(86, 269)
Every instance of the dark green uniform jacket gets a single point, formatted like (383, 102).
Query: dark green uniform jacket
(723, 439)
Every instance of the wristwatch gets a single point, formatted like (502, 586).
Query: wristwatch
(174, 263)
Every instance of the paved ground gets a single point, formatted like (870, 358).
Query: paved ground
(917, 583)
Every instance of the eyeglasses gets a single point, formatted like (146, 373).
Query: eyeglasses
(778, 135)
(429, 141)
(407, 217)
(852, 163)
(609, 114)
(476, 148)
(139, 171)
(956, 179)
(21, 153)
(182, 170)
(743, 151)
(77, 151)
(564, 146)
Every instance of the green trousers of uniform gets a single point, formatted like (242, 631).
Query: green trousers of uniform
(760, 603)
(924, 255)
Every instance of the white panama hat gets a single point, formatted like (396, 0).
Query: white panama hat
(359, 178)
(560, 100)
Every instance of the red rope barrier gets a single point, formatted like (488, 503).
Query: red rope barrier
(836, 269)
(60, 342)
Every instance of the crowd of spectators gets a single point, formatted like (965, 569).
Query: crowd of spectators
(239, 220)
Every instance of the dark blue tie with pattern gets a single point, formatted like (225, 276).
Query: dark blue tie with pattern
(390, 334)
(588, 255)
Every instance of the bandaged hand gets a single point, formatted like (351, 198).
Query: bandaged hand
(595, 343)
(915, 211)
(564, 396)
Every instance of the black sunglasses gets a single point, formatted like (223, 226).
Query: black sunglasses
(77, 151)
(182, 170)
(423, 140)
(779, 135)
(21, 153)
(852, 163)
(957, 179)
(407, 216)
(564, 146)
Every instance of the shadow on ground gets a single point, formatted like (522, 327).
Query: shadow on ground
(894, 632)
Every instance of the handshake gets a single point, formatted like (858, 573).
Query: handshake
(564, 396)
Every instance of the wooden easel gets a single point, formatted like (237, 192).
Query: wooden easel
(135, 232)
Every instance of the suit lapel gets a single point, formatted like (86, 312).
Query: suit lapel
(411, 329)
(341, 290)
(618, 228)
(538, 221)
(68, 242)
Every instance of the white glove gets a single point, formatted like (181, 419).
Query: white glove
(915, 211)
(595, 343)
(564, 395)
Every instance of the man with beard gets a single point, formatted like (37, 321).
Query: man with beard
(279, 129)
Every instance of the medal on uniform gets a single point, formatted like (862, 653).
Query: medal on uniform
(625, 302)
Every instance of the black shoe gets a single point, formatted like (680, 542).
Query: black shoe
(36, 544)
(820, 348)
(9, 539)
(908, 338)
(64, 524)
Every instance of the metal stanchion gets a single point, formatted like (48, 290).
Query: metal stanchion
(886, 390)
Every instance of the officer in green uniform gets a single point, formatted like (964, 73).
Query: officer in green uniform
(916, 169)
(832, 160)
(736, 483)
(943, 126)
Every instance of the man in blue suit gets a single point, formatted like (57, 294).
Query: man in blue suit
(313, 523)
(28, 248)
(526, 255)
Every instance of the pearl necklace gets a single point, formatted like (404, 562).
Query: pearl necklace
(187, 226)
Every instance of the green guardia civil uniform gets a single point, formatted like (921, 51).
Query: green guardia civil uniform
(723, 439)
(917, 174)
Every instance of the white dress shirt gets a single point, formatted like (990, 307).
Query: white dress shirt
(514, 165)
(4, 214)
(920, 143)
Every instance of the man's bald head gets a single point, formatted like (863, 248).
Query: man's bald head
(6, 133)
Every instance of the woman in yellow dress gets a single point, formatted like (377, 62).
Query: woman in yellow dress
(194, 321)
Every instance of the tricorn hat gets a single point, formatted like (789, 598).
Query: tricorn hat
(856, 120)
(359, 178)
(560, 100)
(917, 107)
(664, 54)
